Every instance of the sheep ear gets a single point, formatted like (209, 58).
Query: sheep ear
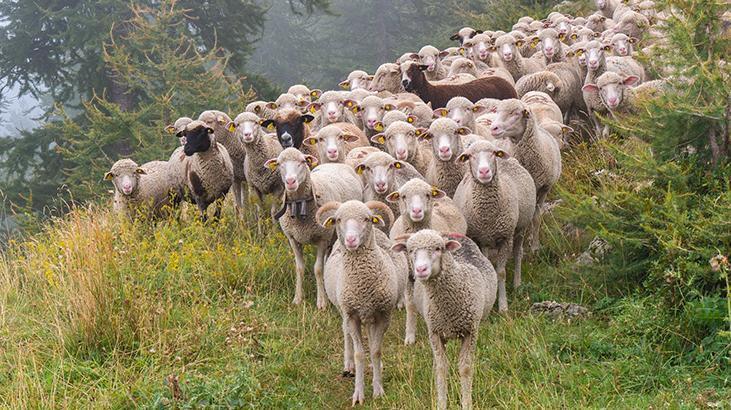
(437, 193)
(378, 139)
(257, 109)
(501, 154)
(313, 107)
(562, 36)
(378, 126)
(315, 93)
(310, 141)
(423, 67)
(360, 169)
(478, 109)
(464, 131)
(140, 171)
(579, 52)
(393, 197)
(565, 129)
(425, 135)
(574, 36)
(632, 40)
(307, 118)
(349, 103)
(269, 125)
(519, 43)
(231, 126)
(345, 85)
(452, 245)
(607, 47)
(272, 105)
(328, 223)
(388, 107)
(221, 120)
(108, 176)
(414, 56)
(590, 88)
(209, 130)
(377, 220)
(370, 78)
(631, 80)
(526, 113)
(443, 54)
(311, 161)
(569, 54)
(464, 157)
(462, 51)
(349, 137)
(454, 37)
(441, 112)
(534, 42)
(398, 164)
(411, 119)
(602, 19)
(271, 164)
(170, 129)
(399, 247)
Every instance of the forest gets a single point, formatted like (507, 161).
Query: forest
(97, 311)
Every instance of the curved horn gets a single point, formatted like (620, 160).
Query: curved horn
(325, 211)
(383, 210)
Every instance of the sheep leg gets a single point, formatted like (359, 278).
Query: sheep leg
(440, 369)
(410, 313)
(202, 209)
(466, 357)
(500, 257)
(375, 339)
(348, 364)
(518, 257)
(236, 188)
(299, 262)
(319, 263)
(357, 338)
(597, 124)
(535, 236)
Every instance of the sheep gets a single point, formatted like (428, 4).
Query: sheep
(423, 206)
(259, 148)
(306, 187)
(431, 57)
(518, 66)
(577, 56)
(336, 140)
(302, 92)
(463, 65)
(218, 121)
(292, 128)
(262, 109)
(177, 128)
(288, 102)
(559, 131)
(382, 174)
(387, 78)
(552, 48)
(438, 95)
(356, 155)
(497, 197)
(535, 149)
(392, 116)
(146, 189)
(464, 34)
(622, 45)
(617, 93)
(357, 79)
(462, 111)
(455, 289)
(606, 7)
(480, 45)
(400, 140)
(632, 24)
(561, 81)
(547, 114)
(208, 170)
(597, 22)
(364, 282)
(371, 111)
(330, 108)
(422, 113)
(357, 95)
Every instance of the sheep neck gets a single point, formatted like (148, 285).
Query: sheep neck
(445, 293)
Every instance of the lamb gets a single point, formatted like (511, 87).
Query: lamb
(552, 48)
(142, 190)
(357, 79)
(259, 148)
(305, 190)
(438, 95)
(535, 149)
(431, 57)
(382, 174)
(455, 289)
(208, 169)
(364, 282)
(562, 82)
(336, 140)
(387, 78)
(262, 109)
(622, 45)
(518, 66)
(219, 121)
(464, 34)
(480, 45)
(400, 141)
(330, 108)
(497, 197)
(424, 206)
(618, 94)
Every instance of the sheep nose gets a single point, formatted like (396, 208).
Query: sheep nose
(290, 180)
(401, 153)
(332, 152)
(612, 100)
(421, 269)
(380, 185)
(350, 239)
(331, 113)
(444, 150)
(371, 123)
(405, 83)
(416, 210)
(484, 171)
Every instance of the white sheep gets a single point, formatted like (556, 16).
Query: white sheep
(382, 174)
(335, 141)
(400, 140)
(148, 189)
(357, 79)
(507, 49)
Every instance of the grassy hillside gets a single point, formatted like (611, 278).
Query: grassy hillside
(100, 313)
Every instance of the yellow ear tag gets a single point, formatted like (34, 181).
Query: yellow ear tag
(410, 120)
(313, 141)
(434, 192)
(388, 107)
(397, 165)
(499, 154)
(574, 36)
(381, 140)
(272, 166)
(170, 129)
(461, 131)
(579, 53)
(312, 109)
(349, 104)
(344, 85)
(359, 170)
(378, 127)
(417, 132)
(329, 222)
(232, 127)
(375, 220)
(270, 126)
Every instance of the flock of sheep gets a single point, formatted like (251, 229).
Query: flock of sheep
(417, 184)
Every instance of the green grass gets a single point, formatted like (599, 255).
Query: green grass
(100, 313)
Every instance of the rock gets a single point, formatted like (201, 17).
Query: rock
(557, 310)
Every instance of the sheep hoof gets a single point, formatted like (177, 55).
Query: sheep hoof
(358, 397)
(378, 391)
(297, 300)
(409, 340)
(321, 304)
